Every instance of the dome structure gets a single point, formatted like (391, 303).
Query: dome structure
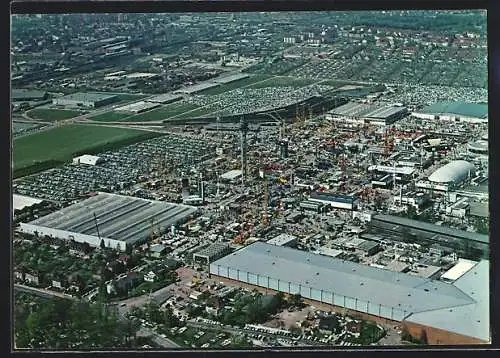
(452, 172)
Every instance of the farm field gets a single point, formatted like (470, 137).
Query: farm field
(59, 144)
(50, 114)
(110, 116)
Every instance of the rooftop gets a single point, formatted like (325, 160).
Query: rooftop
(231, 175)
(476, 110)
(393, 289)
(118, 217)
(452, 172)
(20, 202)
(472, 319)
(89, 96)
(457, 271)
(437, 229)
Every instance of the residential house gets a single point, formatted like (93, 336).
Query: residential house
(32, 278)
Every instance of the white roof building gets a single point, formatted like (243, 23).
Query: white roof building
(231, 175)
(453, 172)
(87, 160)
(458, 270)
(20, 202)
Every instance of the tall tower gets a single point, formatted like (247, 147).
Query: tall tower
(243, 144)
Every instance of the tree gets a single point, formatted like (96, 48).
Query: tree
(295, 300)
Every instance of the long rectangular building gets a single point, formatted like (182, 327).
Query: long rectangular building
(373, 291)
(116, 219)
(426, 228)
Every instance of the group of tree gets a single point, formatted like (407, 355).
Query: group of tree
(65, 324)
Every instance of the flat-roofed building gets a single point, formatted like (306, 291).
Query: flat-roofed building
(88, 100)
(372, 292)
(336, 201)
(461, 267)
(113, 219)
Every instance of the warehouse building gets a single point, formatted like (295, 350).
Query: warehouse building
(478, 148)
(137, 107)
(362, 113)
(455, 111)
(231, 175)
(87, 159)
(28, 95)
(87, 100)
(337, 201)
(115, 219)
(458, 270)
(283, 240)
(164, 98)
(397, 227)
(420, 303)
(231, 78)
(211, 253)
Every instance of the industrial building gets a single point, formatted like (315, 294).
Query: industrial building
(164, 98)
(422, 303)
(115, 219)
(196, 88)
(19, 202)
(211, 253)
(455, 111)
(87, 159)
(87, 100)
(336, 201)
(231, 175)
(398, 227)
(479, 147)
(360, 113)
(28, 95)
(137, 107)
(231, 78)
(283, 240)
(400, 173)
(458, 270)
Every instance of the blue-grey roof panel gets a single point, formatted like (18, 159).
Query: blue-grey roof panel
(393, 289)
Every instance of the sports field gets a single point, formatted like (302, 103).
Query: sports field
(49, 114)
(58, 144)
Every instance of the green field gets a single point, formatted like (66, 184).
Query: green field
(49, 114)
(285, 82)
(234, 85)
(110, 116)
(59, 144)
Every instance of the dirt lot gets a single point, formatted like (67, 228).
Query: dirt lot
(287, 319)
